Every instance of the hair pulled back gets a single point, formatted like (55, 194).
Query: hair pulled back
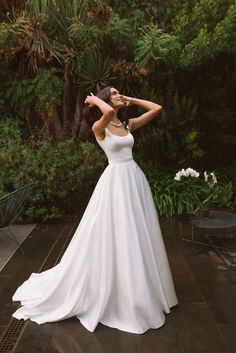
(91, 114)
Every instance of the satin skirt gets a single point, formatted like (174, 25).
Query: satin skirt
(115, 269)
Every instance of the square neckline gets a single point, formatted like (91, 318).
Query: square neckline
(117, 135)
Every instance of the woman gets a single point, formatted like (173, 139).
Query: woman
(115, 269)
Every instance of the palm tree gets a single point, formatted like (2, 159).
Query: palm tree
(56, 33)
(87, 44)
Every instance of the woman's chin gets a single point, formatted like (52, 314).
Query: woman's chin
(120, 105)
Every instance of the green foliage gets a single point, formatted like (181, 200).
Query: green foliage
(224, 32)
(121, 30)
(49, 32)
(224, 195)
(154, 45)
(95, 73)
(131, 11)
(132, 45)
(228, 176)
(74, 31)
(85, 34)
(35, 95)
(192, 144)
(19, 95)
(10, 31)
(197, 50)
(35, 6)
(193, 15)
(10, 131)
(27, 40)
(173, 197)
(170, 196)
(205, 28)
(63, 173)
(173, 137)
(48, 89)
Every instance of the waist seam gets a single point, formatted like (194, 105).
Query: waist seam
(114, 161)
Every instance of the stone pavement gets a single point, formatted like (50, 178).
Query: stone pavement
(7, 246)
(204, 320)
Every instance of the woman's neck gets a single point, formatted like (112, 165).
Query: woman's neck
(115, 118)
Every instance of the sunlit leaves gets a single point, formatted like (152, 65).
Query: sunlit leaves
(26, 37)
(205, 30)
(155, 45)
(85, 34)
(197, 50)
(224, 37)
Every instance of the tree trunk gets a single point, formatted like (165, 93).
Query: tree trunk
(84, 130)
(67, 100)
(57, 125)
(77, 116)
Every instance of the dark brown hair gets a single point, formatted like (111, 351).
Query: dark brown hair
(94, 113)
(91, 114)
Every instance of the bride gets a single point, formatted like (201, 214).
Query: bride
(115, 270)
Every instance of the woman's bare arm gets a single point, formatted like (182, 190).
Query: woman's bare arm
(107, 113)
(153, 109)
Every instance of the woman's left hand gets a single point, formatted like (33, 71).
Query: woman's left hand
(127, 101)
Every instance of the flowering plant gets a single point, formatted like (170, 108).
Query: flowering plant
(207, 186)
(185, 173)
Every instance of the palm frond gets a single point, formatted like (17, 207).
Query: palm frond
(95, 72)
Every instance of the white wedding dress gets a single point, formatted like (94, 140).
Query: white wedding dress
(115, 269)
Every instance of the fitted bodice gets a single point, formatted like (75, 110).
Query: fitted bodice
(117, 148)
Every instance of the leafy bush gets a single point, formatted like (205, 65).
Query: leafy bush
(154, 45)
(36, 97)
(63, 173)
(229, 176)
(173, 138)
(172, 197)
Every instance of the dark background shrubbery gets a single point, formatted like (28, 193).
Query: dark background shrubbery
(179, 53)
(64, 173)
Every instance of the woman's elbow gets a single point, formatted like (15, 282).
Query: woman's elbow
(110, 112)
(158, 109)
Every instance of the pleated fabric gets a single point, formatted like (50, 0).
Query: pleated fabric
(115, 269)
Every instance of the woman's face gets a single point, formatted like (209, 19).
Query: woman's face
(116, 99)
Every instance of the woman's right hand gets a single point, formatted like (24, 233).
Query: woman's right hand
(90, 100)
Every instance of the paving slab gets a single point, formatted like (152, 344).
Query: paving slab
(7, 246)
(204, 320)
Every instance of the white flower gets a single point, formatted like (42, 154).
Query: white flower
(178, 176)
(186, 173)
(195, 174)
(206, 175)
(191, 172)
(214, 179)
